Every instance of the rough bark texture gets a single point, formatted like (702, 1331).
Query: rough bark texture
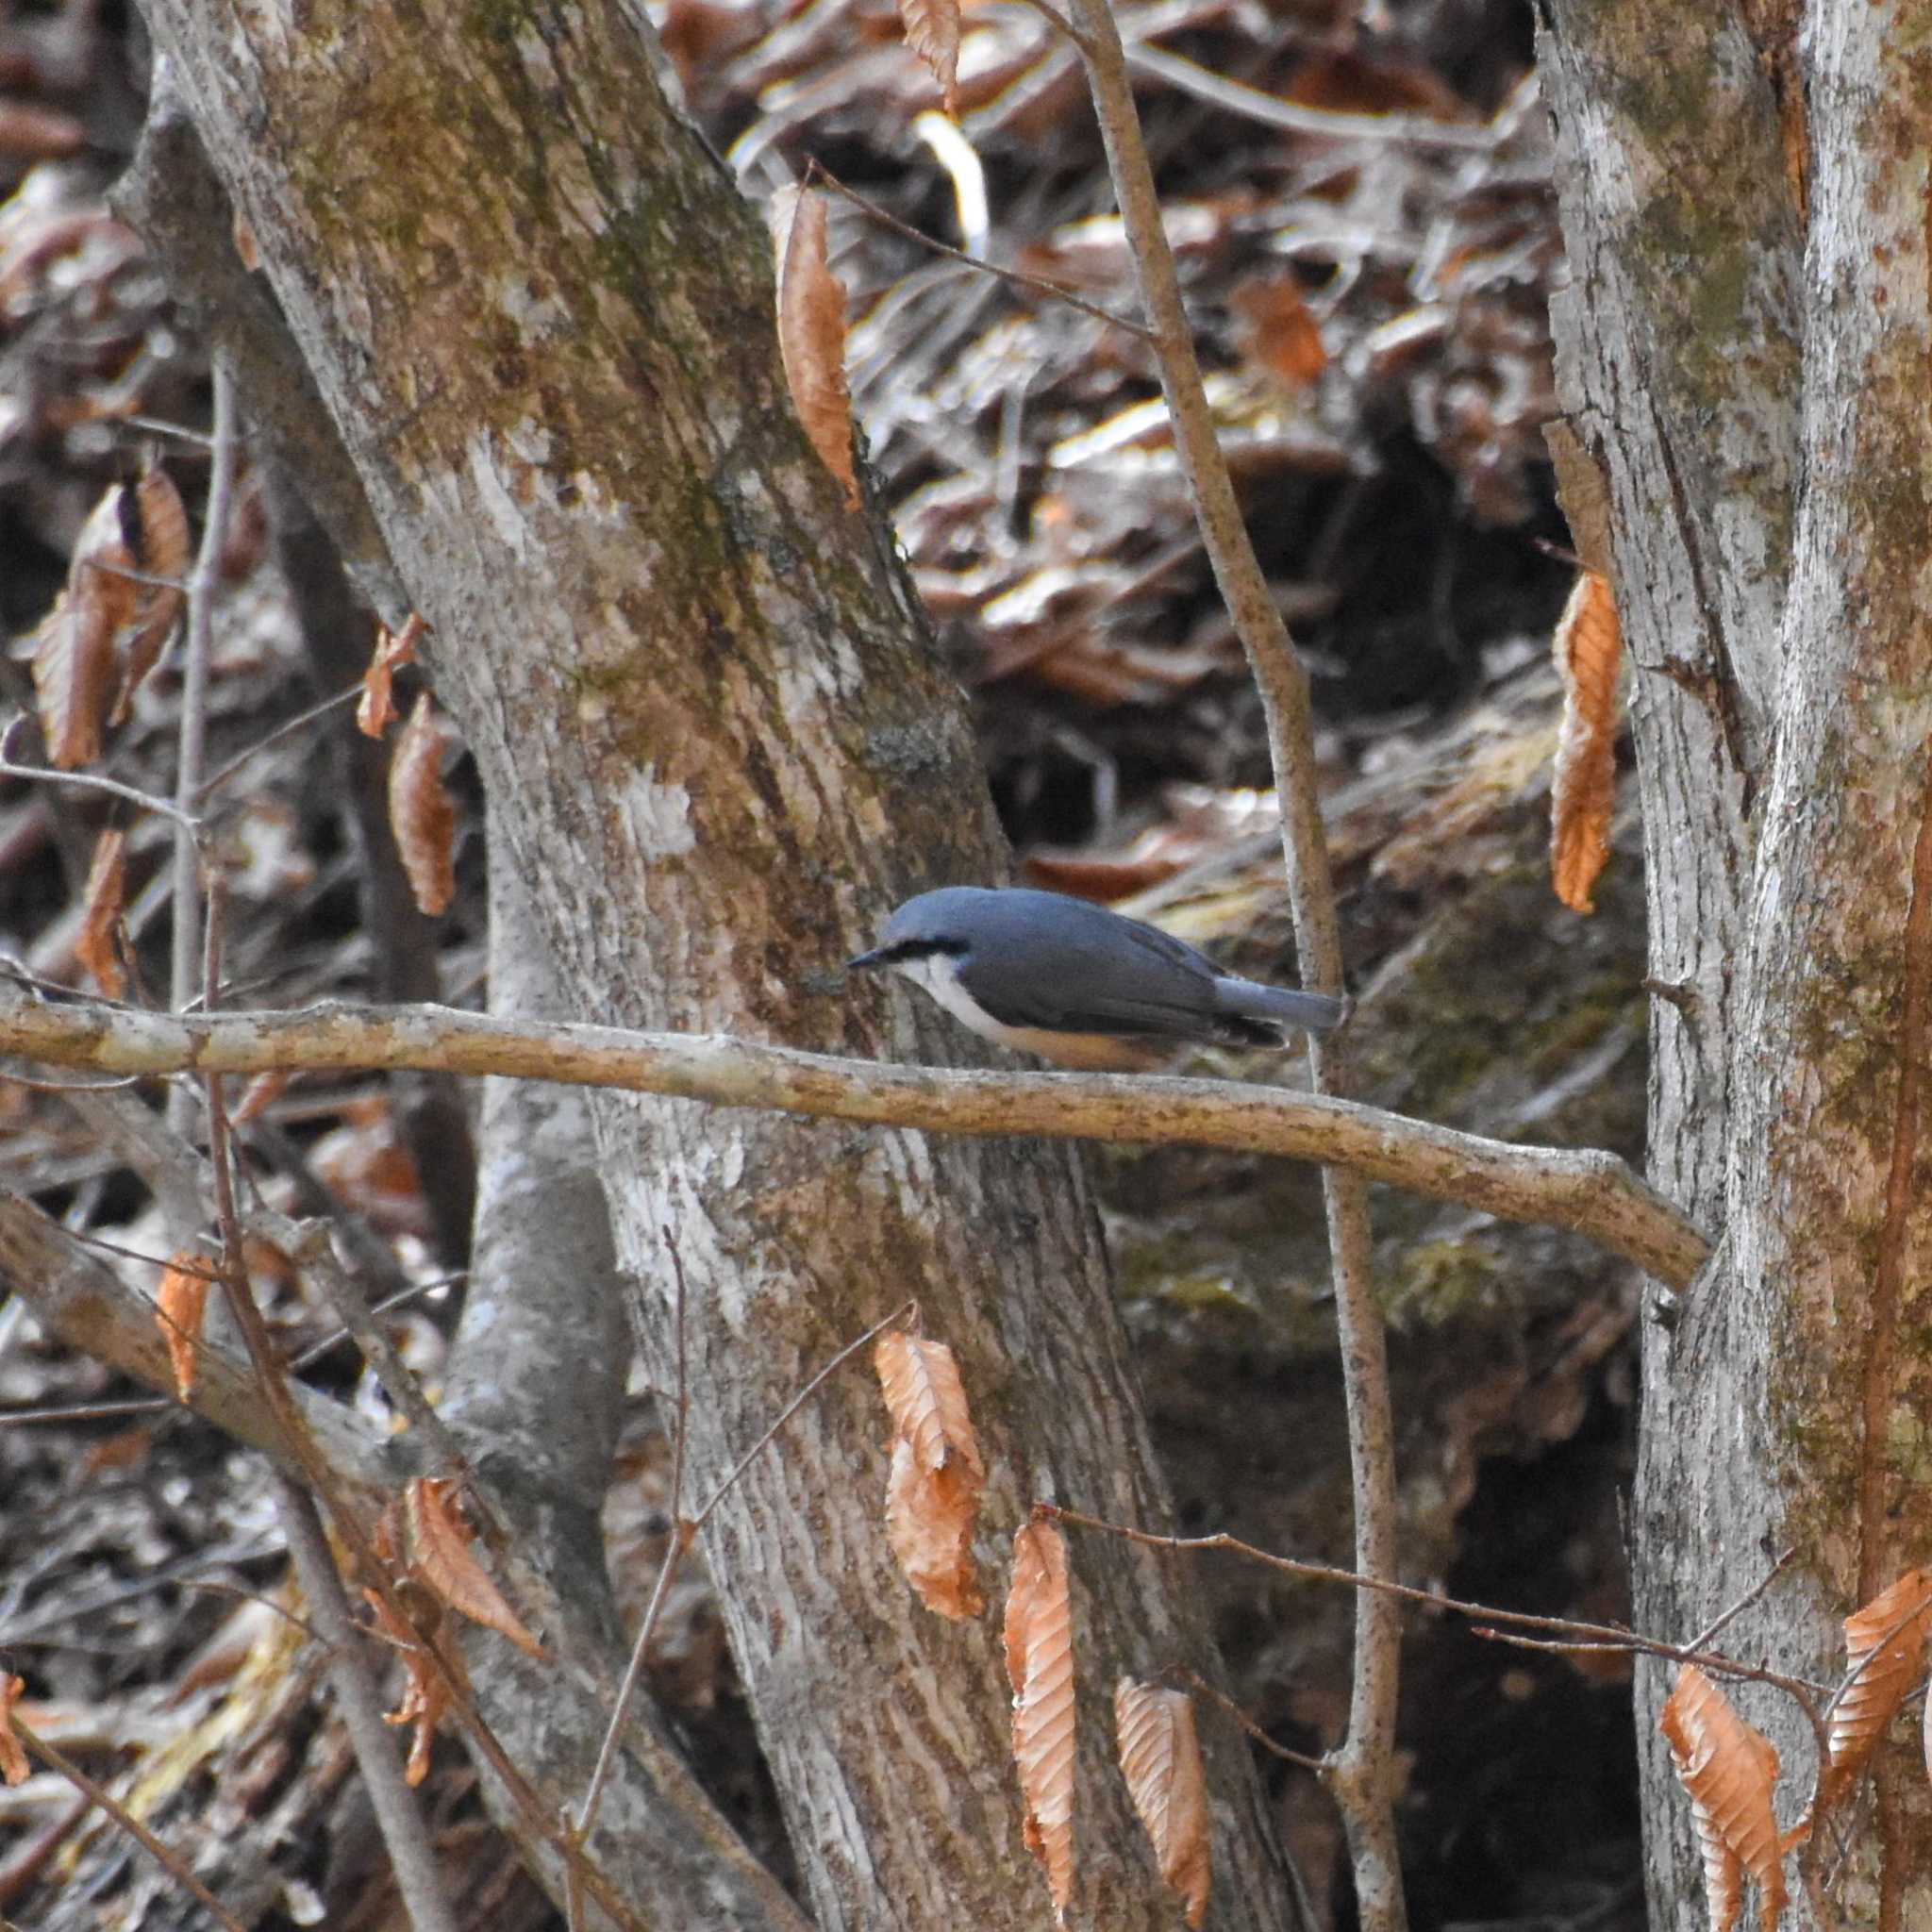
(721, 744)
(1745, 346)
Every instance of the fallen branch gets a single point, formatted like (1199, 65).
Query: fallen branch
(1590, 1193)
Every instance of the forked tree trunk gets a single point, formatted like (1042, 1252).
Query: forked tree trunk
(715, 732)
(1746, 340)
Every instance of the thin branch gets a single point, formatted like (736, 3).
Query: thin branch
(1292, 117)
(1363, 1772)
(1039, 284)
(93, 781)
(191, 761)
(211, 785)
(1250, 1727)
(1591, 1193)
(1573, 1632)
(169, 1861)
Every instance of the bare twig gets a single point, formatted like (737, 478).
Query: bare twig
(169, 1861)
(197, 645)
(213, 784)
(1573, 1633)
(1250, 1727)
(1039, 284)
(684, 1530)
(1589, 1192)
(91, 781)
(399, 1816)
(1408, 130)
(1363, 1772)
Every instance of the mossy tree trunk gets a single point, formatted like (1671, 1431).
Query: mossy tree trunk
(718, 744)
(1746, 340)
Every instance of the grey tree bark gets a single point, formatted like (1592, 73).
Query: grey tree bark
(718, 744)
(1744, 346)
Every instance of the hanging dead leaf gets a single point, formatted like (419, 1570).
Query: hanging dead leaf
(1039, 1665)
(1885, 1661)
(932, 1499)
(261, 1094)
(440, 1556)
(426, 1695)
(1729, 1769)
(247, 250)
(162, 524)
(1160, 1760)
(13, 1764)
(376, 711)
(421, 814)
(932, 31)
(179, 1304)
(1587, 647)
(97, 946)
(1584, 491)
(811, 331)
(75, 664)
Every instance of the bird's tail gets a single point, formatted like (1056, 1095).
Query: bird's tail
(1313, 1012)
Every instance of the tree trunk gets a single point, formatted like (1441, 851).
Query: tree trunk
(718, 739)
(1745, 343)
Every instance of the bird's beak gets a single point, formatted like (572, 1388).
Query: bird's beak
(865, 960)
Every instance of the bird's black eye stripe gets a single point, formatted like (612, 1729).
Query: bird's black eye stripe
(920, 949)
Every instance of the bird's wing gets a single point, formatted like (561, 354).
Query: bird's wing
(1163, 987)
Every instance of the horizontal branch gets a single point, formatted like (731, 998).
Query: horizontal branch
(1593, 1193)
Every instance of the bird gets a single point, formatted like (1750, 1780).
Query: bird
(1081, 986)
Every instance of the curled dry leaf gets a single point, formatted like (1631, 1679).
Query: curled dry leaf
(421, 814)
(811, 331)
(376, 710)
(426, 1693)
(98, 947)
(932, 31)
(1039, 1665)
(75, 664)
(1729, 1769)
(1587, 647)
(440, 1556)
(932, 1500)
(1885, 1661)
(181, 1301)
(162, 522)
(1160, 1760)
(261, 1094)
(13, 1764)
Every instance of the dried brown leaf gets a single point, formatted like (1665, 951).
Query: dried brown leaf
(1885, 1661)
(74, 663)
(162, 523)
(261, 1094)
(421, 814)
(376, 710)
(932, 1497)
(1584, 491)
(1729, 1769)
(440, 1556)
(97, 945)
(13, 1764)
(426, 1695)
(1587, 647)
(1160, 1760)
(932, 31)
(811, 331)
(247, 250)
(179, 1304)
(1039, 1664)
